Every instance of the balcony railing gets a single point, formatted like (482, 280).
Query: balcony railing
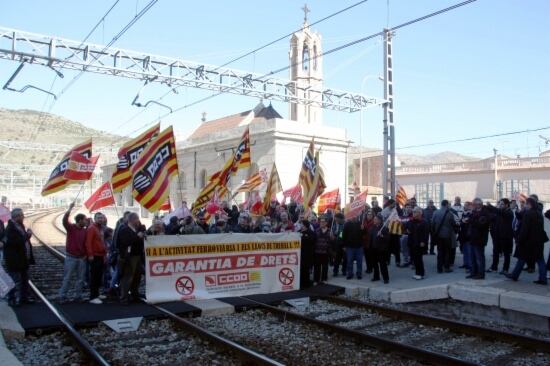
(478, 165)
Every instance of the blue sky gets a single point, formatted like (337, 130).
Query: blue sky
(478, 70)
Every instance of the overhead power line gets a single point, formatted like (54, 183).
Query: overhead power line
(333, 50)
(115, 38)
(241, 57)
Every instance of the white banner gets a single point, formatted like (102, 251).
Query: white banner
(183, 267)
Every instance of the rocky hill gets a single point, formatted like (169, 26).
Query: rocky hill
(411, 159)
(34, 127)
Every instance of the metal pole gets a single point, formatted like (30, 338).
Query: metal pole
(495, 188)
(361, 149)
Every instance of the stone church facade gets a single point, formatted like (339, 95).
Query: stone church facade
(272, 137)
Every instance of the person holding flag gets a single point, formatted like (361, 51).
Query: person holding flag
(75, 256)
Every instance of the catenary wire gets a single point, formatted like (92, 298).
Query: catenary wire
(333, 50)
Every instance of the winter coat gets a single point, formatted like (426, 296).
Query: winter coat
(322, 242)
(308, 246)
(428, 213)
(531, 238)
(502, 223)
(417, 231)
(445, 219)
(15, 249)
(480, 222)
(191, 229)
(379, 239)
(367, 225)
(352, 235)
(129, 243)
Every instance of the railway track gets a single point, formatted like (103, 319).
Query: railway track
(429, 339)
(168, 341)
(331, 330)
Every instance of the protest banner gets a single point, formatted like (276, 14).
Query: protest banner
(187, 267)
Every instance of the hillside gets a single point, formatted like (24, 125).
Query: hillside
(32, 127)
(411, 159)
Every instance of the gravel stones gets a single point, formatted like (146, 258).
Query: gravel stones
(295, 343)
(51, 349)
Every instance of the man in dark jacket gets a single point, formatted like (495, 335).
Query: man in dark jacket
(379, 242)
(530, 242)
(18, 256)
(337, 245)
(502, 234)
(306, 253)
(322, 246)
(428, 215)
(131, 249)
(479, 223)
(417, 236)
(352, 237)
(443, 222)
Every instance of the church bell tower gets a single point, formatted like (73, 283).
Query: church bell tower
(306, 72)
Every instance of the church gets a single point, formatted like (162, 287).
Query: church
(273, 138)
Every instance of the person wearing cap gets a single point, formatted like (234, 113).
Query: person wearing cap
(220, 227)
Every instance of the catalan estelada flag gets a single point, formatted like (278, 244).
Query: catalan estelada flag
(153, 169)
(128, 155)
(80, 168)
(57, 182)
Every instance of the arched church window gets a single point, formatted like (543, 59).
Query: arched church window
(203, 178)
(315, 57)
(305, 58)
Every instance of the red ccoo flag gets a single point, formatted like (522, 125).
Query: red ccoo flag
(103, 197)
(357, 206)
(79, 167)
(328, 200)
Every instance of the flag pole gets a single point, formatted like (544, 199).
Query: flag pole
(79, 191)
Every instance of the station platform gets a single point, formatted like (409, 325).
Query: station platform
(495, 290)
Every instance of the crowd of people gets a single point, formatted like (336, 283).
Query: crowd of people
(110, 262)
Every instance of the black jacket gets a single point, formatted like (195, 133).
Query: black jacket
(129, 243)
(531, 238)
(379, 239)
(417, 231)
(352, 236)
(15, 250)
(479, 227)
(503, 228)
(308, 246)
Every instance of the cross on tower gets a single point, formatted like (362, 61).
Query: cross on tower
(306, 10)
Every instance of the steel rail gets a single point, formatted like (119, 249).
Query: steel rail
(246, 355)
(532, 343)
(383, 344)
(80, 341)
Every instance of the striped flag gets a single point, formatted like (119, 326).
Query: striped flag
(241, 158)
(128, 155)
(273, 187)
(401, 196)
(80, 168)
(57, 181)
(356, 207)
(309, 166)
(220, 179)
(153, 169)
(317, 186)
(253, 182)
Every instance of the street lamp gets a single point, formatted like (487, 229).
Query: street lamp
(361, 129)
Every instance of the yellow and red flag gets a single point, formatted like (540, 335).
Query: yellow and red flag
(401, 196)
(220, 179)
(328, 200)
(57, 182)
(253, 182)
(317, 186)
(128, 155)
(102, 197)
(153, 169)
(80, 168)
(273, 187)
